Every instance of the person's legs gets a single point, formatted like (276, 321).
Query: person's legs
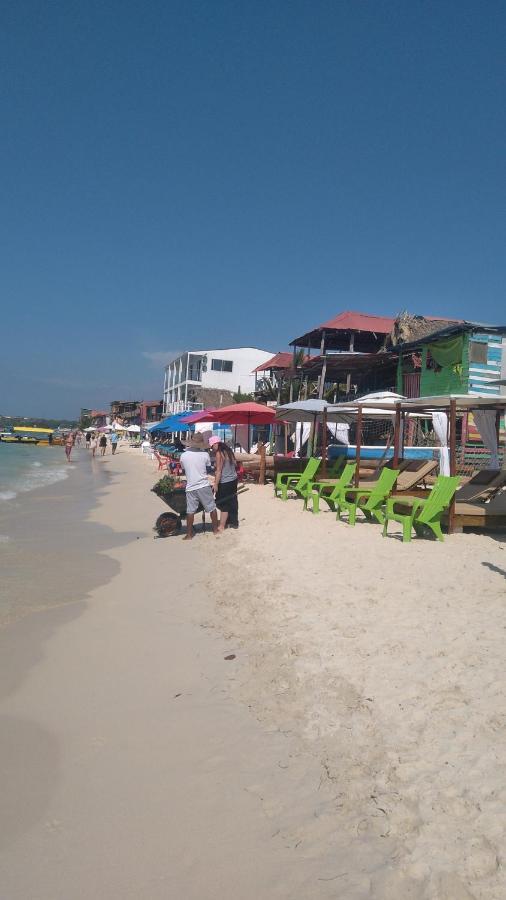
(189, 526)
(206, 497)
(223, 520)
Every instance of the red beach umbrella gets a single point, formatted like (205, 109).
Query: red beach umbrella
(238, 414)
(201, 416)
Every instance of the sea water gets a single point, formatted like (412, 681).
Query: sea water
(25, 467)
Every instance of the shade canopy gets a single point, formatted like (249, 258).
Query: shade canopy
(463, 402)
(238, 414)
(172, 423)
(304, 411)
(134, 428)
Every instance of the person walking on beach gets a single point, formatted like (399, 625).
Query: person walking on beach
(195, 462)
(225, 483)
(69, 443)
(93, 445)
(102, 444)
(88, 439)
(114, 441)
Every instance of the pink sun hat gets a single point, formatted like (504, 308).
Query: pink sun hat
(213, 440)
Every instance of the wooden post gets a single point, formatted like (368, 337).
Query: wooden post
(322, 379)
(358, 441)
(348, 377)
(324, 444)
(453, 460)
(498, 435)
(261, 474)
(397, 434)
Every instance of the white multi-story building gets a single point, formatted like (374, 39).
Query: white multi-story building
(202, 378)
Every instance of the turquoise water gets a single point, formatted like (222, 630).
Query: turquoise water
(25, 468)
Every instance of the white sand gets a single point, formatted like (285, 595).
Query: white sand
(354, 747)
(386, 662)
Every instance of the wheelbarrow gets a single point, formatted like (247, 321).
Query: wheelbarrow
(169, 523)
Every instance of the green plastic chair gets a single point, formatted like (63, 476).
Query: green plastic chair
(415, 512)
(320, 490)
(298, 482)
(369, 500)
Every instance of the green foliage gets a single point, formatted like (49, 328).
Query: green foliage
(239, 397)
(10, 421)
(164, 486)
(85, 422)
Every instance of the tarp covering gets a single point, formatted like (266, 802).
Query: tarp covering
(449, 352)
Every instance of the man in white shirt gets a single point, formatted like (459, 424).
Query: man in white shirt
(195, 461)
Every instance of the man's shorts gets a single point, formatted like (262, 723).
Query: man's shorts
(204, 496)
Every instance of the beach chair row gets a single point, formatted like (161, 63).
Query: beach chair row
(372, 498)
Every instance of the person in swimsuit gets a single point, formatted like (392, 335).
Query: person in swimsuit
(69, 443)
(102, 444)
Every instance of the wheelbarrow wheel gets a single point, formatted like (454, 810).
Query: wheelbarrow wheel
(168, 524)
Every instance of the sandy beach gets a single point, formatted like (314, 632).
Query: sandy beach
(352, 747)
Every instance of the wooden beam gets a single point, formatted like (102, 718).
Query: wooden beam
(322, 379)
(351, 348)
(452, 423)
(358, 441)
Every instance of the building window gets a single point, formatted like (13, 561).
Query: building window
(478, 352)
(221, 365)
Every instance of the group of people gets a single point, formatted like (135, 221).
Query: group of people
(98, 441)
(200, 493)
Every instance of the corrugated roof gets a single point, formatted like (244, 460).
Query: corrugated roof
(278, 361)
(350, 320)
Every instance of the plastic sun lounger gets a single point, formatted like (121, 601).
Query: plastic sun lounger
(369, 500)
(414, 512)
(415, 472)
(288, 481)
(483, 485)
(328, 491)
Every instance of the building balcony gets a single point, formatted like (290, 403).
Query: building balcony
(173, 407)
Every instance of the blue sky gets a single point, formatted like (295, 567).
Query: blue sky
(181, 174)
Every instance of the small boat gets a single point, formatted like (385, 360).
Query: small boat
(8, 438)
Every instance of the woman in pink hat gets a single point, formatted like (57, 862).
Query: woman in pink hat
(225, 483)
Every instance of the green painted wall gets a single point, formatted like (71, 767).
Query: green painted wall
(445, 381)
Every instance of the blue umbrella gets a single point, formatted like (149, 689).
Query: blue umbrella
(172, 423)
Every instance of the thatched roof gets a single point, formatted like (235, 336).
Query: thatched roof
(408, 328)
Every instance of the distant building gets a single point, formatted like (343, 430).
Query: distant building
(208, 378)
(126, 412)
(99, 417)
(150, 411)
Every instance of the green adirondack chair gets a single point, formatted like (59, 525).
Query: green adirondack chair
(320, 490)
(415, 512)
(369, 500)
(298, 481)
